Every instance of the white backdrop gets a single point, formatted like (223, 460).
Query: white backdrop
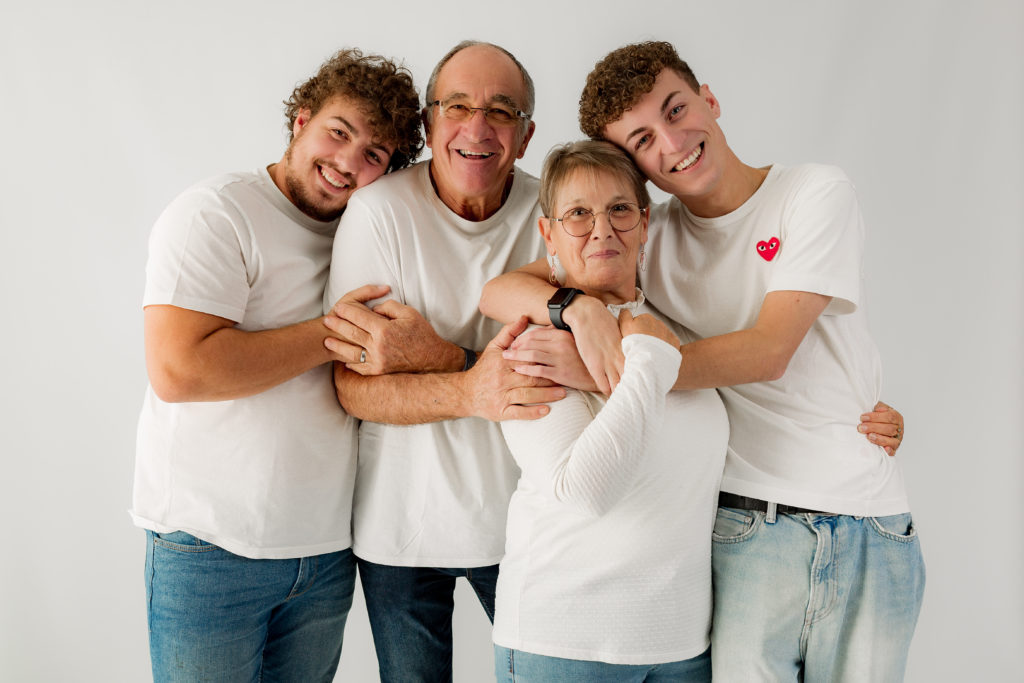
(110, 109)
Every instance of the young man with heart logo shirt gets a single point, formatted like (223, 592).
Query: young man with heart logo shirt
(818, 574)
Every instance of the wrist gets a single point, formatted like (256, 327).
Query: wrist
(583, 309)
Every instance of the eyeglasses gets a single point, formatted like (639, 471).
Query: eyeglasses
(579, 222)
(496, 115)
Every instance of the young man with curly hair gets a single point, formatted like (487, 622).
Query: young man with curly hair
(245, 463)
(817, 569)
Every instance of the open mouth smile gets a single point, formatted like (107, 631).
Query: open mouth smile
(333, 179)
(474, 155)
(689, 161)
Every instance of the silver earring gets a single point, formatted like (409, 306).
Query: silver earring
(553, 267)
(643, 258)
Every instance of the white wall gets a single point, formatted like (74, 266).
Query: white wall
(110, 109)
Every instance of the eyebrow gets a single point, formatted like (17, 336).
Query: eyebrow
(616, 199)
(664, 106)
(501, 98)
(376, 144)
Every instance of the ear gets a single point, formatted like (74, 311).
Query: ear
(544, 226)
(425, 118)
(710, 100)
(526, 140)
(644, 220)
(301, 119)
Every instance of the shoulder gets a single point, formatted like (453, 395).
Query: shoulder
(224, 192)
(405, 186)
(810, 176)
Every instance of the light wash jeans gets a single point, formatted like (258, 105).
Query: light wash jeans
(516, 666)
(814, 597)
(216, 616)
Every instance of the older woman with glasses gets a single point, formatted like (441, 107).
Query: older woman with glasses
(607, 571)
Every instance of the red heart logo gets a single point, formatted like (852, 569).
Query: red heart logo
(768, 250)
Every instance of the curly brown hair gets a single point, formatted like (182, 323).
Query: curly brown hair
(624, 76)
(383, 90)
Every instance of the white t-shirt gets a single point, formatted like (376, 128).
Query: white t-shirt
(433, 495)
(270, 475)
(793, 440)
(608, 553)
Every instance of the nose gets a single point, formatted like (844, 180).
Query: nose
(602, 227)
(479, 126)
(672, 141)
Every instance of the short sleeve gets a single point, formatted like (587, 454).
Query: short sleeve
(822, 242)
(364, 253)
(198, 252)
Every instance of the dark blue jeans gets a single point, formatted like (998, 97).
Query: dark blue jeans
(410, 612)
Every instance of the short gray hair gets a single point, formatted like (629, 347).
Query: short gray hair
(431, 93)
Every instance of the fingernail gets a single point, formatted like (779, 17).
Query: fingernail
(862, 428)
(872, 437)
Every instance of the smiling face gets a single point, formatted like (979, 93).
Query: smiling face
(672, 133)
(602, 263)
(332, 153)
(472, 159)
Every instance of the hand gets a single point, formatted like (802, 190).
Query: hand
(392, 337)
(550, 353)
(883, 426)
(646, 324)
(494, 389)
(598, 340)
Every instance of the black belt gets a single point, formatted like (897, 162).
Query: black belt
(731, 500)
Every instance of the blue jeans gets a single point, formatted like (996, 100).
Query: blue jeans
(516, 666)
(410, 611)
(814, 597)
(216, 616)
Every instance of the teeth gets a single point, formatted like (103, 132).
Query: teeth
(475, 155)
(690, 160)
(330, 178)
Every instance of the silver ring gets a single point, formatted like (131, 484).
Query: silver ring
(362, 356)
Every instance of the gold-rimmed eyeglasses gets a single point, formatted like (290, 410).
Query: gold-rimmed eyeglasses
(496, 114)
(579, 222)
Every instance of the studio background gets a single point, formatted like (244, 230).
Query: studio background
(111, 109)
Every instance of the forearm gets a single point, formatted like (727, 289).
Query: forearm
(230, 363)
(735, 358)
(521, 292)
(402, 398)
(758, 354)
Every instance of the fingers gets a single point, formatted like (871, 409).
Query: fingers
(392, 309)
(365, 293)
(360, 316)
(346, 330)
(625, 321)
(508, 333)
(343, 351)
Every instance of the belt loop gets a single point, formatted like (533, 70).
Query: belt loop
(770, 516)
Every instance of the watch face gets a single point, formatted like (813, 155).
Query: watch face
(562, 297)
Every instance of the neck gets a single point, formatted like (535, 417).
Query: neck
(477, 208)
(621, 294)
(739, 182)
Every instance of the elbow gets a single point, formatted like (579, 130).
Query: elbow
(487, 306)
(587, 506)
(345, 382)
(172, 386)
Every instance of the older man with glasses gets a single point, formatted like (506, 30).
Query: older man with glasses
(434, 475)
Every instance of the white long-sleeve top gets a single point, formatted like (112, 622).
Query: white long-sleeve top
(608, 545)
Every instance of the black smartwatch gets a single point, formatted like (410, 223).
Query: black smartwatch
(557, 303)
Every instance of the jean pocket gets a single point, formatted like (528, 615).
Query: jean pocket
(733, 526)
(183, 542)
(895, 527)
